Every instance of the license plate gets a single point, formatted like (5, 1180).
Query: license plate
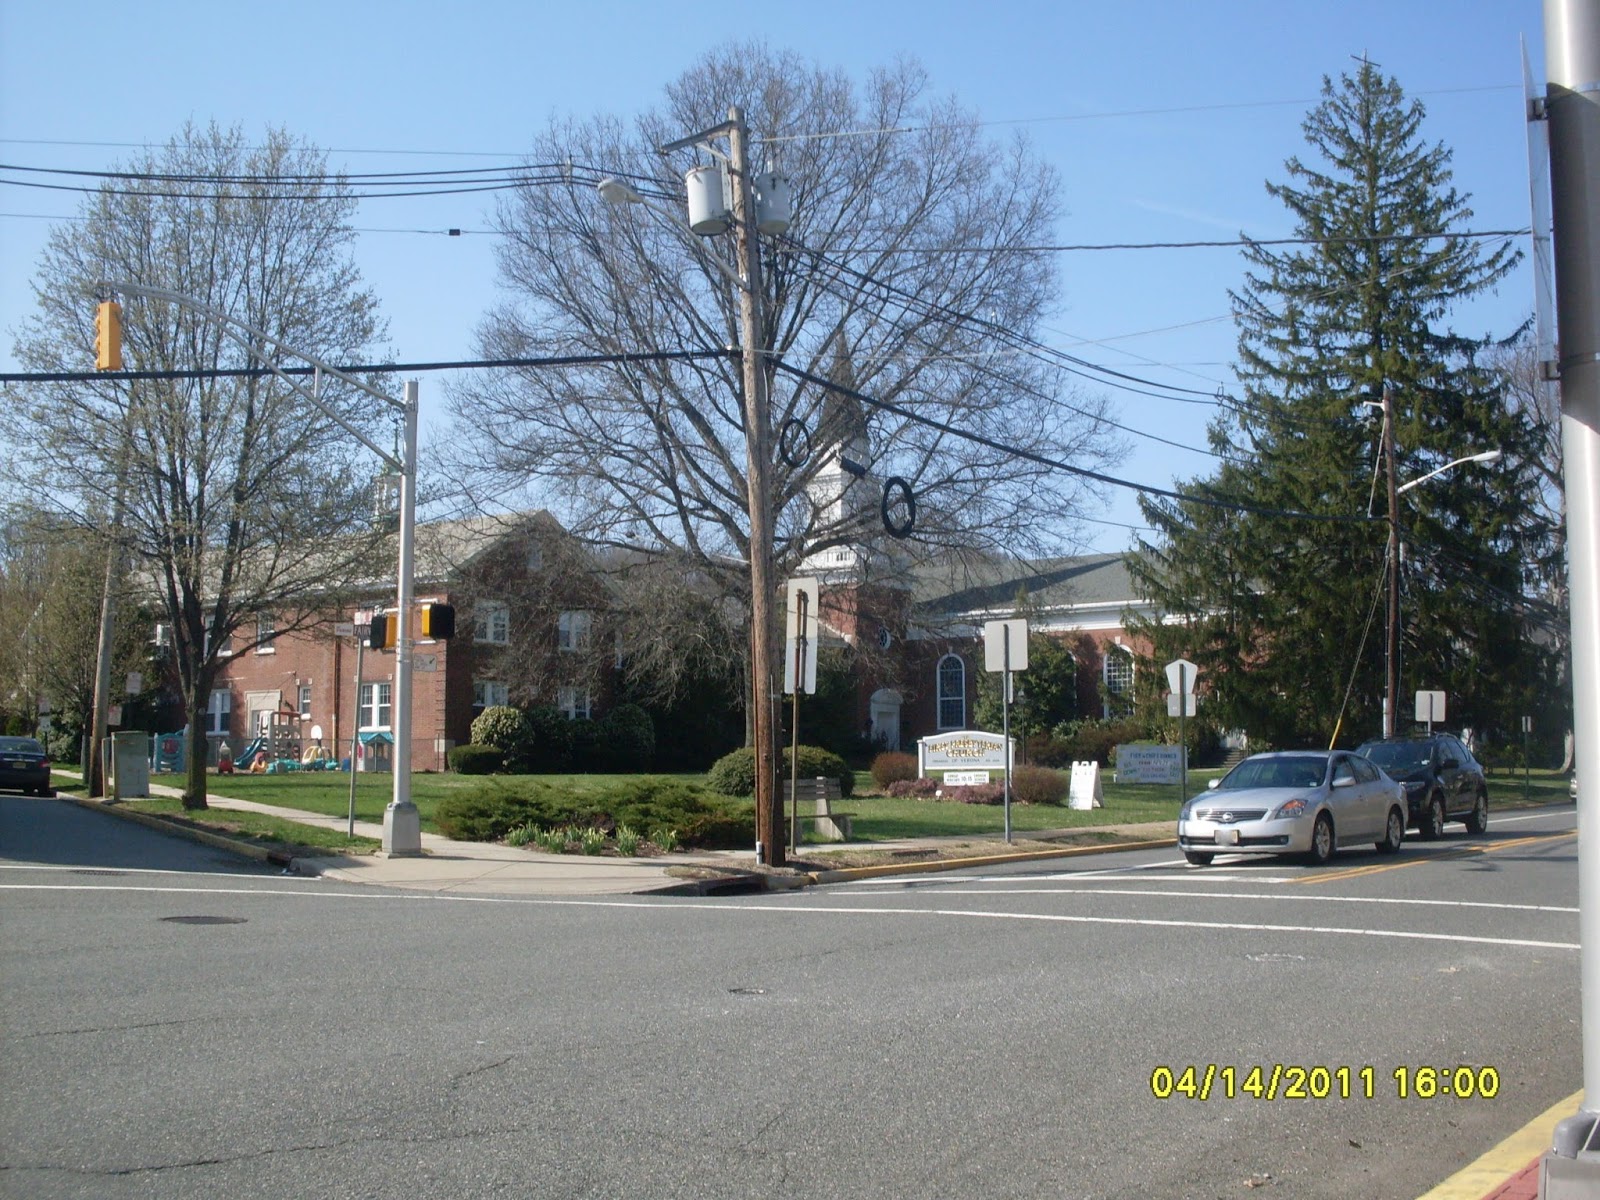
(1227, 837)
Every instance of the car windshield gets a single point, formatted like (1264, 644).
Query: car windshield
(1398, 756)
(20, 745)
(1299, 771)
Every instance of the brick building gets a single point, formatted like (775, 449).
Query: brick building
(534, 627)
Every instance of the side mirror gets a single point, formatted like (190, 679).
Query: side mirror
(1213, 785)
(1343, 781)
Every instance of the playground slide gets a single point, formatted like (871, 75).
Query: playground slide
(247, 756)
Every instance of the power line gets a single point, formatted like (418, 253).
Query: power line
(1056, 464)
(569, 360)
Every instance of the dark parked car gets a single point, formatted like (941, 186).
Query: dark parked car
(24, 766)
(1443, 782)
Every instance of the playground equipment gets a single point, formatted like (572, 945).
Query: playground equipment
(166, 751)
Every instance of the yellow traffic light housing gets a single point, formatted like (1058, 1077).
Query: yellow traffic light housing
(381, 633)
(438, 621)
(108, 336)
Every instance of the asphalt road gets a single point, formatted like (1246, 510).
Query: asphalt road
(994, 1033)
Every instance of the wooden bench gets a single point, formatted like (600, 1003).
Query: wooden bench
(829, 823)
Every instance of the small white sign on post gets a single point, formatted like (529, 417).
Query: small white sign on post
(965, 778)
(1430, 707)
(1180, 678)
(800, 621)
(426, 662)
(995, 648)
(1085, 791)
(344, 628)
(135, 683)
(1181, 706)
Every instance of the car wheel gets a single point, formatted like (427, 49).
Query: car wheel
(1198, 858)
(1321, 841)
(1478, 818)
(1394, 834)
(1433, 823)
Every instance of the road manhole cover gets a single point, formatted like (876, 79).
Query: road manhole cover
(205, 920)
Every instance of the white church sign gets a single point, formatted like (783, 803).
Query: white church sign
(964, 750)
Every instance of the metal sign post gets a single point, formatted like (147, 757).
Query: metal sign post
(362, 619)
(799, 675)
(1180, 678)
(1005, 649)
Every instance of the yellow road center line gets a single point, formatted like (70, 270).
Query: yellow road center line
(1460, 852)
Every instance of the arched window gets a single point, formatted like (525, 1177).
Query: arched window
(952, 692)
(1119, 679)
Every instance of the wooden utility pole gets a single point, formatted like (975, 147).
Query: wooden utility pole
(758, 442)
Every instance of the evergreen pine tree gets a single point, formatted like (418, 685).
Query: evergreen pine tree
(1284, 614)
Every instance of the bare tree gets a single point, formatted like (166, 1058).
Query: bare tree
(910, 278)
(231, 495)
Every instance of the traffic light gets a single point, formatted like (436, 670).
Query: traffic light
(438, 621)
(380, 634)
(108, 336)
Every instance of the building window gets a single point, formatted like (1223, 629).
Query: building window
(266, 628)
(375, 705)
(573, 631)
(223, 650)
(573, 702)
(952, 692)
(491, 622)
(305, 699)
(486, 694)
(535, 557)
(218, 709)
(1119, 679)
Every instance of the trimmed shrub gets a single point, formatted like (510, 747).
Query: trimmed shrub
(585, 742)
(550, 740)
(892, 766)
(1039, 785)
(925, 788)
(507, 730)
(489, 813)
(735, 774)
(976, 793)
(627, 739)
(473, 759)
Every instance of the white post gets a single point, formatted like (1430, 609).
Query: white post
(402, 826)
(1572, 71)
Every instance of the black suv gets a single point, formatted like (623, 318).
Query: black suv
(1443, 782)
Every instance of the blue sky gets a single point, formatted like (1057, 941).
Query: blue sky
(1163, 119)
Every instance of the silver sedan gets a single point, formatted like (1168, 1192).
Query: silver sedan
(1305, 802)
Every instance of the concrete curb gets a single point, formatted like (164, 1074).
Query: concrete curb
(218, 841)
(846, 874)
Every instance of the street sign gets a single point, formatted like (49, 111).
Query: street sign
(1430, 707)
(135, 683)
(1180, 678)
(800, 636)
(994, 644)
(344, 629)
(1185, 709)
(426, 662)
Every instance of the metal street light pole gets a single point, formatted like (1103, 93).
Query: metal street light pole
(1391, 654)
(1572, 101)
(402, 825)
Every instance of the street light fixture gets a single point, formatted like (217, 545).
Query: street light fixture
(705, 190)
(1391, 664)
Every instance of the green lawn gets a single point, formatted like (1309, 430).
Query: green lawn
(876, 818)
(259, 827)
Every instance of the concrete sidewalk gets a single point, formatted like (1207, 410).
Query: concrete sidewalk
(444, 865)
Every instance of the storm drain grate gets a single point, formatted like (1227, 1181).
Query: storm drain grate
(205, 920)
